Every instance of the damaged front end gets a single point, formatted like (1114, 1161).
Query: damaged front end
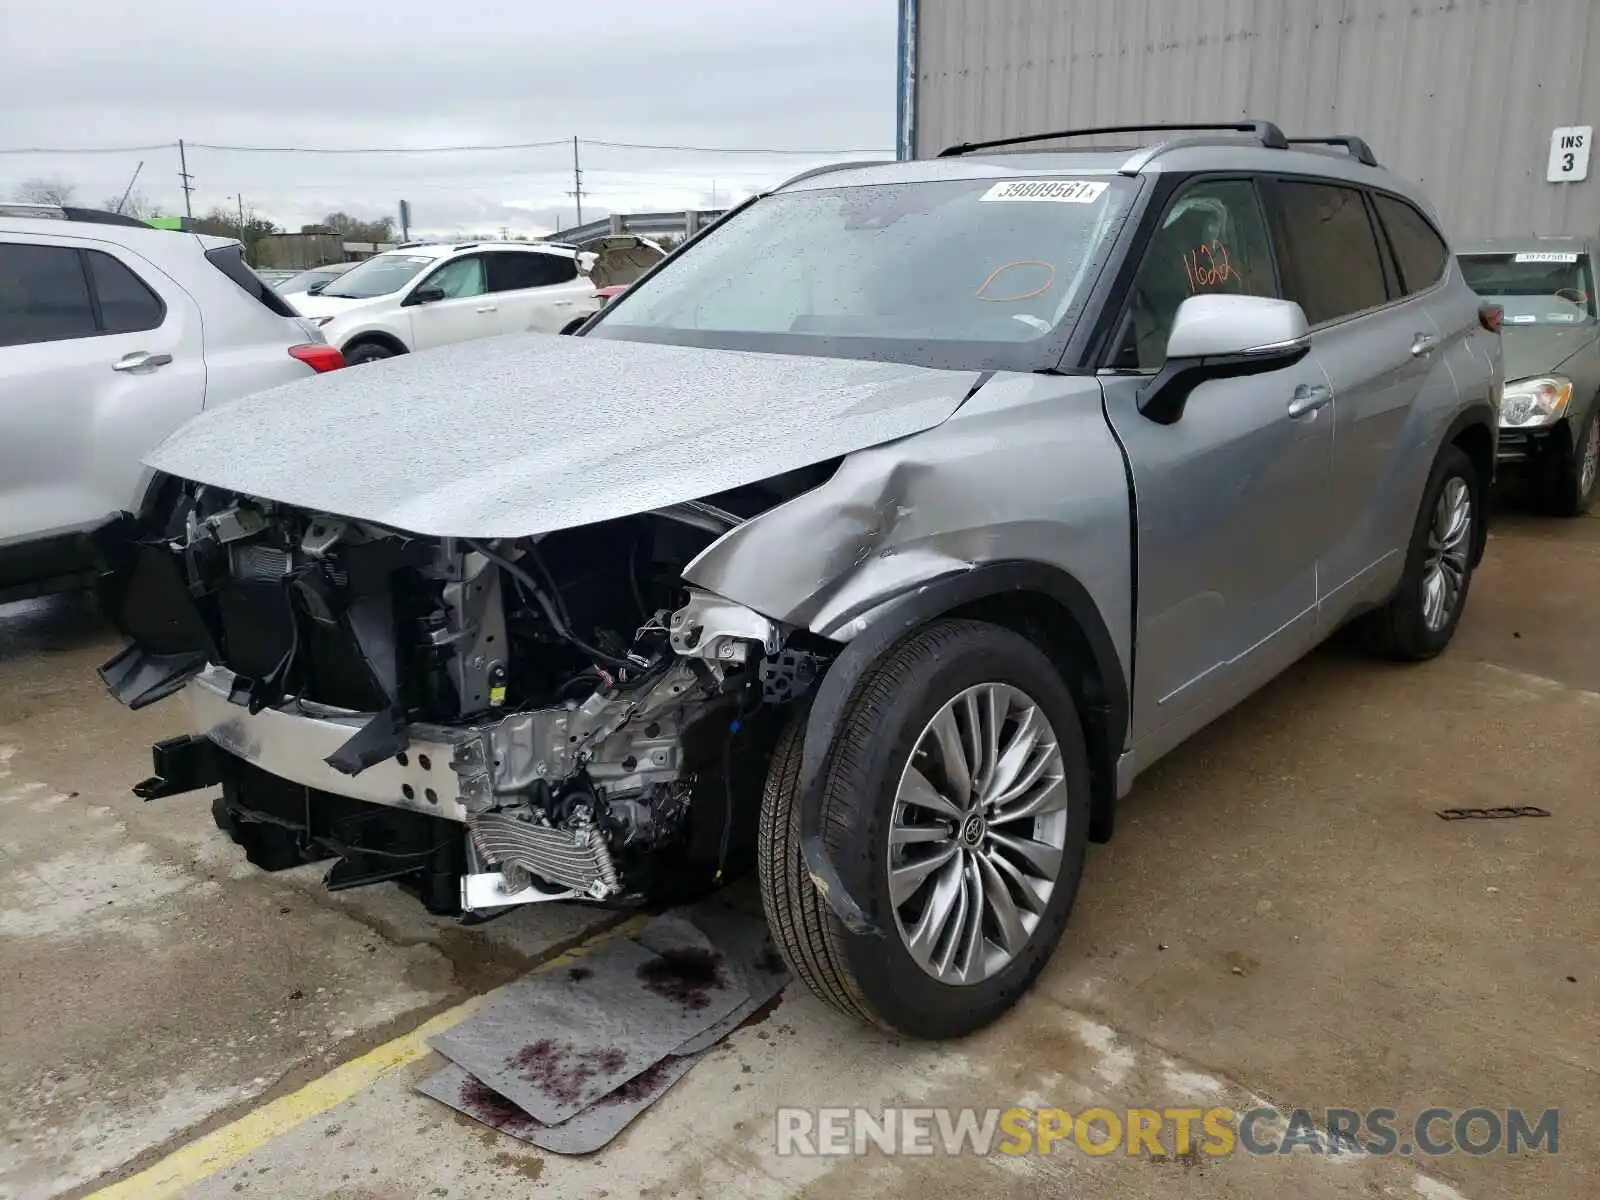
(489, 722)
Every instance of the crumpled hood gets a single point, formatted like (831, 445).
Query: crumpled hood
(518, 435)
(1540, 349)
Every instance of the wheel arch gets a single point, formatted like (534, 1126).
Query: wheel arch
(1042, 603)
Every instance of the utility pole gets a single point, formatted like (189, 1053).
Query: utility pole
(577, 181)
(185, 177)
(129, 190)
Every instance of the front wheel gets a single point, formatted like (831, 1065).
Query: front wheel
(956, 807)
(366, 352)
(1570, 482)
(1421, 617)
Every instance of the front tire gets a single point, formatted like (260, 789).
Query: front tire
(1573, 478)
(956, 807)
(366, 352)
(1421, 617)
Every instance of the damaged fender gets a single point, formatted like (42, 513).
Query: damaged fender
(907, 532)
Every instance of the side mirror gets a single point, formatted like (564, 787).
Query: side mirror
(426, 295)
(1223, 337)
(316, 288)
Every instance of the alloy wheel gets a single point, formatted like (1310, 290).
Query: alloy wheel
(977, 834)
(1449, 544)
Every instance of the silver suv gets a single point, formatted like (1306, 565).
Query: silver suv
(112, 334)
(882, 534)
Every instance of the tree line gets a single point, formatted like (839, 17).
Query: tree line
(248, 226)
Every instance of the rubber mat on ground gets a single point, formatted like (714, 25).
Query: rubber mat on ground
(565, 1059)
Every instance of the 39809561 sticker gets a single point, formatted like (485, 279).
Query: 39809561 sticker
(1049, 191)
(1546, 256)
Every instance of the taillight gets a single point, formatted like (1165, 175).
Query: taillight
(318, 357)
(1490, 316)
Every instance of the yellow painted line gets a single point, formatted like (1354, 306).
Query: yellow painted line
(222, 1148)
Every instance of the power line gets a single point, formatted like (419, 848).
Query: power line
(375, 149)
(85, 149)
(542, 145)
(724, 149)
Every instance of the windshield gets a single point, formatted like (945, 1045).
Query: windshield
(970, 274)
(378, 276)
(304, 280)
(1535, 287)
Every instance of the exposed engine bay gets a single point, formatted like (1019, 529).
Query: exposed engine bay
(489, 722)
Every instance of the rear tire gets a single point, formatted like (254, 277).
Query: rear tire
(1409, 627)
(1572, 479)
(889, 717)
(366, 352)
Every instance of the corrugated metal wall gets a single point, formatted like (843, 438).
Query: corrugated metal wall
(1461, 95)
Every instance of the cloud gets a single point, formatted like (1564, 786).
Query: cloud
(471, 72)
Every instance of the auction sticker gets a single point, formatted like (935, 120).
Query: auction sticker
(1049, 191)
(1556, 256)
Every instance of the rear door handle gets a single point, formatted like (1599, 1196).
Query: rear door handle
(1426, 343)
(139, 360)
(1308, 398)
(488, 308)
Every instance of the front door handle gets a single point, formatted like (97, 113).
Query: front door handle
(139, 360)
(1308, 398)
(488, 308)
(1425, 343)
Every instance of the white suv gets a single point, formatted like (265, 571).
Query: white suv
(418, 297)
(111, 336)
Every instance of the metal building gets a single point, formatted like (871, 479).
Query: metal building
(1465, 96)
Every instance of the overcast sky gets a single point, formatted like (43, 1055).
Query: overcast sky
(817, 74)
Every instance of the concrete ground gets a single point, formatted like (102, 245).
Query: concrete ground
(1282, 919)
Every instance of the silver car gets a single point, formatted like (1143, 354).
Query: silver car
(112, 334)
(882, 535)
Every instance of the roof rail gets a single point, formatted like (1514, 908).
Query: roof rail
(828, 169)
(1268, 134)
(1359, 150)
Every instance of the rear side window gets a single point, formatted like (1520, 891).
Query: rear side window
(1418, 248)
(512, 269)
(127, 305)
(230, 261)
(1328, 251)
(44, 295)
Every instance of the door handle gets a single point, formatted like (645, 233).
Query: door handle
(1425, 343)
(488, 308)
(139, 360)
(1308, 398)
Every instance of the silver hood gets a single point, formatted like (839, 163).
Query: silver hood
(519, 435)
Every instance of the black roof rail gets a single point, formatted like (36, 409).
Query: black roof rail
(1359, 150)
(1268, 134)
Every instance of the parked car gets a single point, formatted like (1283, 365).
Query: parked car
(311, 281)
(274, 277)
(884, 534)
(112, 334)
(419, 297)
(1550, 411)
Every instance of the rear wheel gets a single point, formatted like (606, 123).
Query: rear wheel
(1421, 617)
(1571, 480)
(956, 807)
